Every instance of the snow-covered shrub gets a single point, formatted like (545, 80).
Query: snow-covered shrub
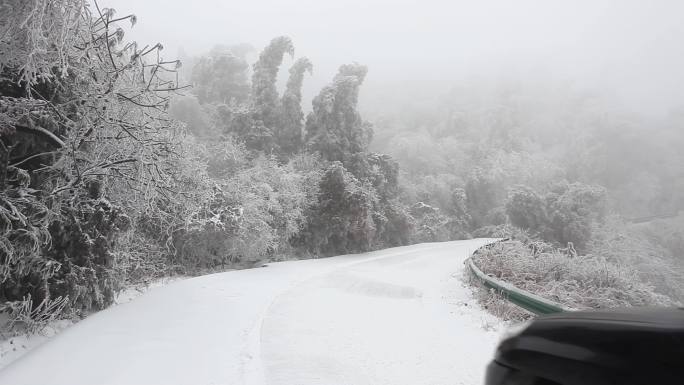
(505, 231)
(90, 142)
(24, 221)
(27, 317)
(495, 302)
(250, 216)
(632, 245)
(69, 256)
(576, 281)
(82, 240)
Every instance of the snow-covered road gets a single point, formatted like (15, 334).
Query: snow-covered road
(396, 316)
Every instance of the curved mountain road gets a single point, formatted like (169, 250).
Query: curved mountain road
(395, 316)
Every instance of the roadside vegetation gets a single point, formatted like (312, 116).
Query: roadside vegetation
(591, 281)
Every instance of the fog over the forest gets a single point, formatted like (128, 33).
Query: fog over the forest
(629, 50)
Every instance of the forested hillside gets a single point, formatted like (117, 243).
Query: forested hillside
(120, 164)
(116, 169)
(578, 173)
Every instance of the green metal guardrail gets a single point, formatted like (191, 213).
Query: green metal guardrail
(522, 298)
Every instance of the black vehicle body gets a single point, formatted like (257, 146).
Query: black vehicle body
(636, 346)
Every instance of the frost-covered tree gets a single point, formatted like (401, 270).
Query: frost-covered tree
(569, 212)
(255, 123)
(289, 131)
(335, 128)
(574, 209)
(188, 110)
(38, 38)
(526, 209)
(380, 170)
(88, 143)
(485, 192)
(395, 224)
(221, 76)
(341, 220)
(431, 224)
(265, 98)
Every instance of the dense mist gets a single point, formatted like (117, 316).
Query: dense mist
(627, 50)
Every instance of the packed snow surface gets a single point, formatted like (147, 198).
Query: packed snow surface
(15, 346)
(396, 316)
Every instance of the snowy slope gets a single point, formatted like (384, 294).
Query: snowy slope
(396, 316)
(15, 347)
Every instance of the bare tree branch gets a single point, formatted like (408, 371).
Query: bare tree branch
(37, 130)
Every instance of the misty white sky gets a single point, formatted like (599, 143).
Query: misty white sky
(627, 48)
